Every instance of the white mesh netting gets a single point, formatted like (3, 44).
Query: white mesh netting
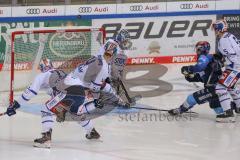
(66, 48)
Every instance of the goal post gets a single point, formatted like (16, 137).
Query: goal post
(66, 47)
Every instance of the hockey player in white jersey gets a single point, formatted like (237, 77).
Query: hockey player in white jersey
(229, 46)
(122, 40)
(119, 60)
(47, 81)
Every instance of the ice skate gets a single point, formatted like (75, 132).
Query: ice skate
(226, 117)
(93, 134)
(45, 141)
(235, 108)
(177, 111)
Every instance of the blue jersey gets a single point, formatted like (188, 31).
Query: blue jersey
(207, 69)
(202, 63)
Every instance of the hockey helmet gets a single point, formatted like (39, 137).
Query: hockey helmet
(202, 47)
(220, 26)
(110, 48)
(45, 65)
(123, 39)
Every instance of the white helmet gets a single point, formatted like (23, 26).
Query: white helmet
(45, 65)
(110, 48)
(220, 26)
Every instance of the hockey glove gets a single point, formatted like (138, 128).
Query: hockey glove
(98, 103)
(124, 105)
(108, 80)
(193, 78)
(11, 110)
(185, 70)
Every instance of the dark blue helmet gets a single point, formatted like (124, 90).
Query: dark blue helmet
(202, 47)
(123, 39)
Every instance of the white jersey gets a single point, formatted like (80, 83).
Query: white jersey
(229, 46)
(118, 61)
(41, 82)
(92, 74)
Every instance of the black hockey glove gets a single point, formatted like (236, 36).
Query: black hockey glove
(193, 78)
(219, 58)
(108, 80)
(98, 103)
(185, 70)
(11, 110)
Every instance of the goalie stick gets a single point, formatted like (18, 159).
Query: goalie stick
(131, 100)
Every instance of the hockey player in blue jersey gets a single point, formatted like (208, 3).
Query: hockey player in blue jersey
(207, 70)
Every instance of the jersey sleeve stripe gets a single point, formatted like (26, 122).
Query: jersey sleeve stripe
(96, 83)
(25, 98)
(48, 121)
(86, 124)
(32, 91)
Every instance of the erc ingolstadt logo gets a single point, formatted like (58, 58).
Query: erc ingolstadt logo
(70, 44)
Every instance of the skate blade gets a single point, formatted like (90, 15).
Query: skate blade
(226, 120)
(95, 140)
(43, 145)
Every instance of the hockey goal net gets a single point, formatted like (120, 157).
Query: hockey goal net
(65, 47)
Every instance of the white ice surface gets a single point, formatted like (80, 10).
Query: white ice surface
(198, 138)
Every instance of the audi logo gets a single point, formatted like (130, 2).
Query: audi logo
(33, 11)
(136, 8)
(85, 9)
(186, 6)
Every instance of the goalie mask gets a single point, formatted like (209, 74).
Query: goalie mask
(45, 65)
(124, 40)
(202, 47)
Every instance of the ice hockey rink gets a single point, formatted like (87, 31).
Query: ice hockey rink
(129, 134)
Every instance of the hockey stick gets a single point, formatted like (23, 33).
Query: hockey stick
(2, 114)
(162, 110)
(131, 100)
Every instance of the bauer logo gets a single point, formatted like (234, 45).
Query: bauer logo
(188, 28)
(33, 11)
(70, 44)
